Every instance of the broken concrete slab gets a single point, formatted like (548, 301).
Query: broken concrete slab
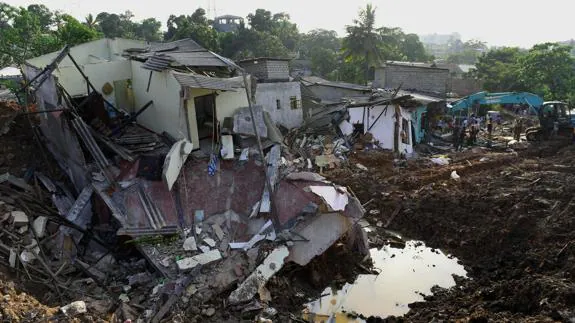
(201, 259)
(322, 232)
(19, 218)
(39, 226)
(190, 244)
(336, 199)
(250, 287)
(227, 147)
(12, 258)
(266, 232)
(204, 249)
(175, 161)
(243, 121)
(210, 242)
(218, 231)
(305, 176)
(77, 307)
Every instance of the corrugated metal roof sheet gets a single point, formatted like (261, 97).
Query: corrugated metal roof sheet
(157, 63)
(182, 45)
(206, 82)
(314, 80)
(196, 59)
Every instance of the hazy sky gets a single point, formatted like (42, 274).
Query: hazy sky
(498, 22)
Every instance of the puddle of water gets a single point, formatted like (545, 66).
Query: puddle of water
(405, 274)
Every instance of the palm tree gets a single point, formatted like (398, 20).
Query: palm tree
(363, 40)
(91, 21)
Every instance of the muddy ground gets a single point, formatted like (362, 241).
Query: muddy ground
(509, 219)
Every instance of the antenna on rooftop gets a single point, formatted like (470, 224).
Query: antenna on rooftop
(211, 10)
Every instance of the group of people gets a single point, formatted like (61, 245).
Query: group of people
(465, 131)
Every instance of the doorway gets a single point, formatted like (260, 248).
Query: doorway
(206, 119)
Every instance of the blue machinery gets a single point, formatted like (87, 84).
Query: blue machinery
(485, 98)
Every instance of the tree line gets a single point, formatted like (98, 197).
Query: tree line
(31, 31)
(547, 70)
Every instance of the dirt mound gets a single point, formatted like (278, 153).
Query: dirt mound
(509, 219)
(21, 307)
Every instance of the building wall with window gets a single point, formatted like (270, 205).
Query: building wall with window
(282, 101)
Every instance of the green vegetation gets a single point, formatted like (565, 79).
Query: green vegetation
(546, 69)
(35, 30)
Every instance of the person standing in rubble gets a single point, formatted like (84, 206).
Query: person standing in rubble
(555, 129)
(517, 129)
(456, 136)
(462, 136)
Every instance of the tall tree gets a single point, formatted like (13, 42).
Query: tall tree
(91, 22)
(261, 20)
(149, 29)
(72, 32)
(499, 69)
(363, 40)
(196, 27)
(413, 49)
(548, 70)
(110, 24)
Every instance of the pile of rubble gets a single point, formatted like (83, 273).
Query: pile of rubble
(121, 223)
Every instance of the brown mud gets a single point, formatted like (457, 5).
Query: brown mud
(509, 219)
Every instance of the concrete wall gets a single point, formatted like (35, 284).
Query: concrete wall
(166, 113)
(92, 52)
(100, 60)
(267, 69)
(383, 130)
(330, 93)
(268, 93)
(98, 74)
(412, 78)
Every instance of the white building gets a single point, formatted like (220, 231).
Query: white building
(392, 126)
(187, 103)
(276, 92)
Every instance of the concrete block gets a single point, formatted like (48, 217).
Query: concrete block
(201, 259)
(19, 218)
(250, 287)
(218, 231)
(39, 226)
(322, 232)
(210, 242)
(190, 244)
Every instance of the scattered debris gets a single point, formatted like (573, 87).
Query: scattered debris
(250, 287)
(201, 259)
(78, 307)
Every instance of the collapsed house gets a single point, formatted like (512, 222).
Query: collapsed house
(123, 123)
(395, 119)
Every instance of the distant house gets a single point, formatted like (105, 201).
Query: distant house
(396, 123)
(330, 91)
(275, 91)
(227, 23)
(422, 77)
(438, 79)
(191, 88)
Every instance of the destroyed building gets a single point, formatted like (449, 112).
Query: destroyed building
(276, 92)
(122, 124)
